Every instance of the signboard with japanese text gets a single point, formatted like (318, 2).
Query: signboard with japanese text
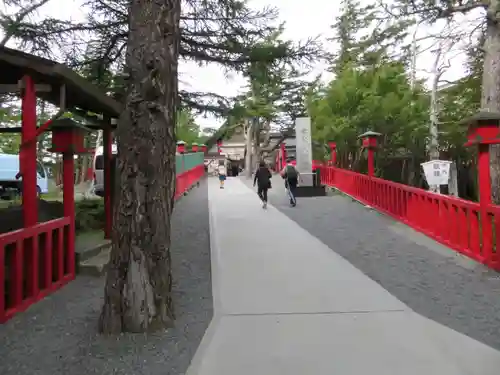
(304, 148)
(437, 172)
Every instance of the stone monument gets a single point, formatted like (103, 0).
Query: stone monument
(304, 150)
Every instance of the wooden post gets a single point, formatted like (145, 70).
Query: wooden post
(27, 154)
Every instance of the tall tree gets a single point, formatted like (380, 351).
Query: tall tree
(139, 281)
(379, 99)
(212, 31)
(431, 12)
(12, 22)
(187, 129)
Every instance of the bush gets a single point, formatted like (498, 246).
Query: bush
(89, 215)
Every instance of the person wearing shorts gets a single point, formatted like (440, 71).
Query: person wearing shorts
(222, 174)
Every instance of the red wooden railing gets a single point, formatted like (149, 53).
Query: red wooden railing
(33, 263)
(39, 260)
(467, 227)
(187, 179)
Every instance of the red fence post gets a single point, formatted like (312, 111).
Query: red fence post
(69, 206)
(370, 142)
(333, 152)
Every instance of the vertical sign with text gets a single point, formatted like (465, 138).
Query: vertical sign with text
(303, 148)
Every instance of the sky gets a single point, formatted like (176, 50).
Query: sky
(303, 19)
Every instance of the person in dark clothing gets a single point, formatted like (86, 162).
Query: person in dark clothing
(263, 180)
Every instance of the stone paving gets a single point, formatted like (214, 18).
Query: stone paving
(286, 303)
(431, 279)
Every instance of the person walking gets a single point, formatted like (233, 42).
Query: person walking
(291, 176)
(222, 173)
(263, 180)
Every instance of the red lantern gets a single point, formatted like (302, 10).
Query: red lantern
(194, 147)
(68, 136)
(370, 139)
(181, 147)
(203, 148)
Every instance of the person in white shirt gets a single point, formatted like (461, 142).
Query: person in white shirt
(222, 173)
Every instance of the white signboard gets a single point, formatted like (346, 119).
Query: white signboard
(304, 149)
(437, 172)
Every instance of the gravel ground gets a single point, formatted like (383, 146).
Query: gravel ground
(58, 335)
(431, 279)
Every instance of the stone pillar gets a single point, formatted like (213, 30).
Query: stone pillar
(304, 150)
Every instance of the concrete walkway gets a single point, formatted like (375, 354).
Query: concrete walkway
(285, 303)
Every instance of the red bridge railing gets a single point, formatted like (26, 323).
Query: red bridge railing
(36, 261)
(467, 227)
(187, 179)
(33, 263)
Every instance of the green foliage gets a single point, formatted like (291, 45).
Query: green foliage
(378, 99)
(366, 37)
(274, 95)
(228, 32)
(10, 116)
(187, 130)
(89, 215)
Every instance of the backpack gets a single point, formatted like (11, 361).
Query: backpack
(291, 172)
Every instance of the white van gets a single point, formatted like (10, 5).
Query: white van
(98, 167)
(9, 168)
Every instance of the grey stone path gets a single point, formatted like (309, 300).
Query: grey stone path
(286, 304)
(58, 336)
(431, 279)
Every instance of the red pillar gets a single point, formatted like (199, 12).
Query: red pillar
(483, 163)
(483, 132)
(28, 153)
(370, 142)
(107, 154)
(371, 162)
(283, 155)
(69, 204)
(333, 152)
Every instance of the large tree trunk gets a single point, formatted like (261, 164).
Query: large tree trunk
(248, 149)
(139, 281)
(490, 98)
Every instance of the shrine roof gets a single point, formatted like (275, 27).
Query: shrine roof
(82, 97)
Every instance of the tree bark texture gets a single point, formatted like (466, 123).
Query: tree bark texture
(139, 280)
(490, 98)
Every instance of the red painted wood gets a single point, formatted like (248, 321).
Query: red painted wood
(454, 222)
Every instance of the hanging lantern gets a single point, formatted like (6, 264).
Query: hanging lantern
(194, 147)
